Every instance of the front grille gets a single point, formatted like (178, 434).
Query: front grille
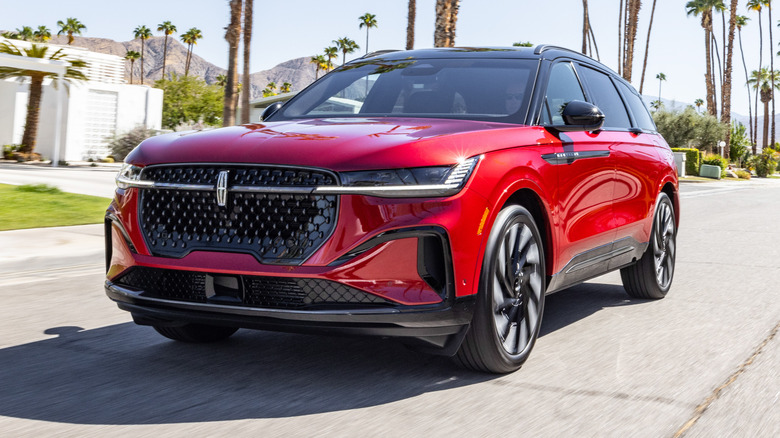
(277, 228)
(254, 291)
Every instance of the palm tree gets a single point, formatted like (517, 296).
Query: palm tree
(285, 87)
(246, 78)
(167, 28)
(42, 34)
(330, 54)
(232, 36)
(132, 55)
(221, 80)
(647, 48)
(72, 73)
(698, 103)
(368, 21)
(763, 81)
(410, 24)
(25, 33)
(190, 38)
(144, 33)
(726, 90)
(588, 37)
(661, 78)
(768, 4)
(345, 45)
(319, 62)
(631, 22)
(446, 19)
(704, 8)
(741, 21)
(70, 27)
(757, 5)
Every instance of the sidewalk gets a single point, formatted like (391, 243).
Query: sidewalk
(45, 251)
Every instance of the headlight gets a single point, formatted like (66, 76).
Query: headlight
(129, 176)
(406, 183)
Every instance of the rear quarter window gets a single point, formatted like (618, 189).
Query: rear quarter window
(641, 114)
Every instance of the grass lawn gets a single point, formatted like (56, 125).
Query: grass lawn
(34, 206)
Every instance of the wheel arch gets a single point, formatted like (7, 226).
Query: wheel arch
(672, 192)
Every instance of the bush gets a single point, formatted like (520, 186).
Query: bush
(687, 128)
(9, 149)
(188, 100)
(122, 145)
(743, 174)
(739, 144)
(763, 164)
(692, 160)
(716, 160)
(38, 188)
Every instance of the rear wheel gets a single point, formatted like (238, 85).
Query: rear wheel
(195, 333)
(510, 301)
(651, 277)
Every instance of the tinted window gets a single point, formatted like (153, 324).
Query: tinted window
(643, 118)
(606, 97)
(481, 89)
(562, 88)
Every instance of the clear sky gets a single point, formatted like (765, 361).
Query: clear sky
(295, 28)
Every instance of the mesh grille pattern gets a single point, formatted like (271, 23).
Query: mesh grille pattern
(276, 228)
(256, 291)
(239, 175)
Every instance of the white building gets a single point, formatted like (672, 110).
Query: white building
(92, 112)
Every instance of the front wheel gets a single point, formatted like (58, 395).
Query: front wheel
(651, 277)
(510, 301)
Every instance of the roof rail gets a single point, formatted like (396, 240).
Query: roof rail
(538, 50)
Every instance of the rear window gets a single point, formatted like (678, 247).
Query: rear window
(606, 97)
(643, 118)
(479, 89)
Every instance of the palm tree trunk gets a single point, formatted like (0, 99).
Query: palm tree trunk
(725, 104)
(409, 26)
(187, 61)
(750, 100)
(132, 66)
(631, 29)
(446, 19)
(585, 30)
(232, 36)
(760, 65)
(247, 88)
(718, 64)
(647, 49)
(33, 113)
(766, 119)
(165, 54)
(142, 61)
(711, 108)
(620, 39)
(772, 71)
(593, 38)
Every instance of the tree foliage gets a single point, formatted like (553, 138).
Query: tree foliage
(687, 128)
(189, 100)
(739, 143)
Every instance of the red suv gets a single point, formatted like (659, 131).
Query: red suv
(435, 196)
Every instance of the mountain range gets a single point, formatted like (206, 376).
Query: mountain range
(299, 71)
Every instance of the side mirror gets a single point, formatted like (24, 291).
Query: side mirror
(270, 110)
(580, 116)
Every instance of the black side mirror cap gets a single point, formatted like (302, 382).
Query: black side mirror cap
(270, 110)
(580, 116)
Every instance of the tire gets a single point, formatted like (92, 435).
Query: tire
(510, 300)
(196, 333)
(651, 277)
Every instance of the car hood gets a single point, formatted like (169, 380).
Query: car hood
(338, 144)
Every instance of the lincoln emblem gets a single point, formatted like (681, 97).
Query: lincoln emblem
(222, 188)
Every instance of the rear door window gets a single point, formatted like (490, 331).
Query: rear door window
(562, 88)
(605, 96)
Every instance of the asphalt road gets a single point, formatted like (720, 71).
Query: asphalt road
(703, 362)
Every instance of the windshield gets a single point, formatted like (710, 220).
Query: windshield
(475, 89)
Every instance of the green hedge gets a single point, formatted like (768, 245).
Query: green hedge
(692, 160)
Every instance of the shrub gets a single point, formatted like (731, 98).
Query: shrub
(9, 149)
(716, 160)
(108, 159)
(122, 145)
(743, 174)
(739, 144)
(38, 188)
(687, 128)
(691, 160)
(763, 164)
